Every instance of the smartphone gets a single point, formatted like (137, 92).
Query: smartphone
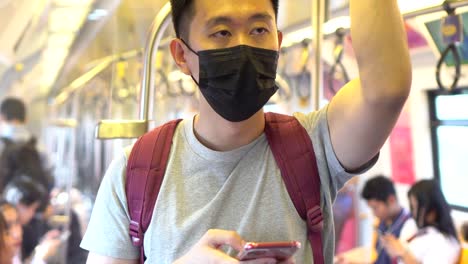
(277, 250)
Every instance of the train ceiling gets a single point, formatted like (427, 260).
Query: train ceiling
(48, 43)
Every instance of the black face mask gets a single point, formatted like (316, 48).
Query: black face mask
(237, 82)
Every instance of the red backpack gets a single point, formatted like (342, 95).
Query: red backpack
(293, 152)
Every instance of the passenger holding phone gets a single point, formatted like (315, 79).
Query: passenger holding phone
(380, 195)
(11, 233)
(221, 173)
(436, 240)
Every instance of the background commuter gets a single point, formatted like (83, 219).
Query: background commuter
(436, 240)
(10, 252)
(380, 195)
(19, 153)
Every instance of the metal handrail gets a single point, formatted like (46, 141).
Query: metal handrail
(104, 63)
(434, 9)
(160, 23)
(112, 129)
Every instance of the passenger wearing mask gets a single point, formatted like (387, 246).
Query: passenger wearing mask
(222, 185)
(11, 237)
(19, 152)
(436, 240)
(380, 195)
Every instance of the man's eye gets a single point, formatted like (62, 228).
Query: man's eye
(222, 34)
(260, 31)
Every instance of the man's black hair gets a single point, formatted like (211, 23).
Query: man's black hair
(13, 109)
(378, 188)
(25, 191)
(183, 12)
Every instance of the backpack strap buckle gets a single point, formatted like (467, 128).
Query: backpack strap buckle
(315, 219)
(136, 233)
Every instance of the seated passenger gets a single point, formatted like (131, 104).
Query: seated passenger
(436, 240)
(379, 192)
(11, 233)
(27, 196)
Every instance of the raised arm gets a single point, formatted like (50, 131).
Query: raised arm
(363, 113)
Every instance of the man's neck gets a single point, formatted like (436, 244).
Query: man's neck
(218, 134)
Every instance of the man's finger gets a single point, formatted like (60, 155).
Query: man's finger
(216, 238)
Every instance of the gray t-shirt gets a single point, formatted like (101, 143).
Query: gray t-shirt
(240, 190)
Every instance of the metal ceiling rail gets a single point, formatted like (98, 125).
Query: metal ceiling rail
(434, 9)
(103, 64)
(408, 15)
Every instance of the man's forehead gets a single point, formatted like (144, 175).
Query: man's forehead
(233, 9)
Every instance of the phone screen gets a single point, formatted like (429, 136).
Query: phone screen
(277, 250)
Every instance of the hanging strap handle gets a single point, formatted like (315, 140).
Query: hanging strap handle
(452, 34)
(338, 52)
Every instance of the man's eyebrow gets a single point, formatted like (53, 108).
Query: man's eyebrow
(228, 20)
(261, 16)
(219, 20)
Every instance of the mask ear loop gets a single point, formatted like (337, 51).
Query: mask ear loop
(188, 46)
(194, 52)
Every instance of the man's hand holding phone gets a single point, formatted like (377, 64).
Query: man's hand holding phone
(207, 250)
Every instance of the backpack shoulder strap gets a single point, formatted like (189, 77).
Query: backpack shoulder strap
(295, 156)
(145, 172)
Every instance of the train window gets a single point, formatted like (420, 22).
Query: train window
(449, 107)
(449, 130)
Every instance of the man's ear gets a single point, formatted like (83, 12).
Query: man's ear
(280, 38)
(178, 52)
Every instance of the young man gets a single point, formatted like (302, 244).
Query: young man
(380, 195)
(222, 185)
(13, 119)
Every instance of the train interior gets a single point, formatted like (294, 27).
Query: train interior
(96, 74)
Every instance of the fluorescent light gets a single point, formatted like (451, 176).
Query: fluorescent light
(60, 40)
(67, 19)
(55, 53)
(98, 14)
